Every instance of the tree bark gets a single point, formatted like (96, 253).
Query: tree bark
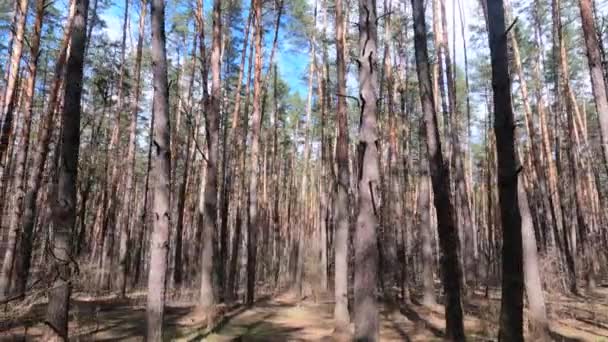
(161, 169)
(341, 203)
(13, 74)
(425, 229)
(64, 210)
(19, 185)
(130, 184)
(256, 123)
(511, 315)
(39, 160)
(213, 126)
(539, 326)
(597, 76)
(440, 178)
(366, 252)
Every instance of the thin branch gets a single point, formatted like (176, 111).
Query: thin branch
(382, 16)
(350, 97)
(511, 26)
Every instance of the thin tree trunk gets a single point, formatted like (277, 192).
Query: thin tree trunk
(130, 185)
(425, 229)
(9, 104)
(21, 159)
(597, 76)
(39, 160)
(181, 196)
(562, 91)
(110, 220)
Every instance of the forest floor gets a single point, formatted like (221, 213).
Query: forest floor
(283, 318)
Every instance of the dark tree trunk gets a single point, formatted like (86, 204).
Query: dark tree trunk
(511, 313)
(64, 211)
(440, 178)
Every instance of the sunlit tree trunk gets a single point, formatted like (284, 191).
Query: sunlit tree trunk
(595, 69)
(19, 185)
(539, 326)
(161, 170)
(342, 178)
(366, 253)
(256, 125)
(34, 180)
(9, 104)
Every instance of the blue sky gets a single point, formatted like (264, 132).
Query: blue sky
(292, 62)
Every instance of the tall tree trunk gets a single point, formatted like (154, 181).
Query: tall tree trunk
(38, 162)
(19, 185)
(562, 92)
(9, 104)
(440, 178)
(213, 126)
(304, 213)
(341, 203)
(178, 265)
(511, 315)
(130, 185)
(597, 76)
(161, 168)
(366, 252)
(64, 210)
(110, 220)
(256, 123)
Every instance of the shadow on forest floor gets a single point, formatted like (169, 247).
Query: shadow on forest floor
(285, 318)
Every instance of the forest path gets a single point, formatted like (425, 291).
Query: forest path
(286, 318)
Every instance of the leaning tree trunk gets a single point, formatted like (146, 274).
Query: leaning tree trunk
(440, 178)
(45, 131)
(64, 210)
(511, 313)
(595, 69)
(19, 186)
(9, 104)
(161, 168)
